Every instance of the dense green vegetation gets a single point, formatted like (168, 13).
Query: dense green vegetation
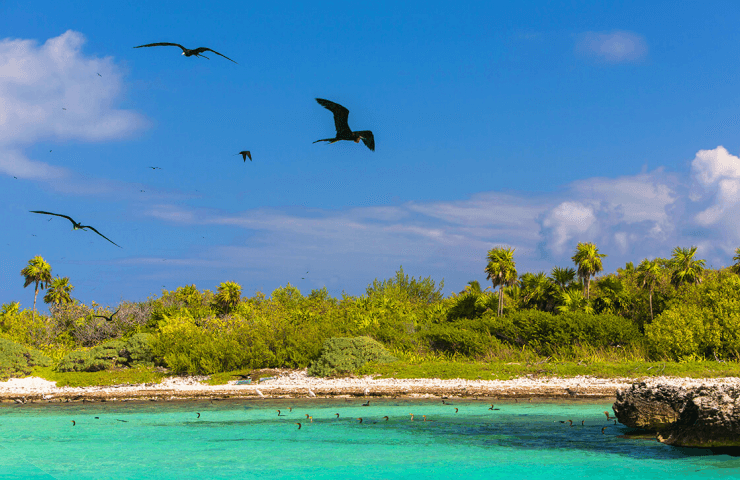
(672, 314)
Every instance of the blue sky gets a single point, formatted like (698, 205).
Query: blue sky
(534, 125)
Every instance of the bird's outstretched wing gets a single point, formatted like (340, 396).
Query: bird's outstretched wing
(206, 49)
(245, 154)
(163, 44)
(109, 319)
(367, 139)
(55, 214)
(340, 116)
(91, 228)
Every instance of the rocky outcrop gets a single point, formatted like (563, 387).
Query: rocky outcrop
(706, 416)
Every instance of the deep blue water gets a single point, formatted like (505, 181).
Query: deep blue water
(246, 439)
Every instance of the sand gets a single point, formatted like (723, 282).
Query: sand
(296, 384)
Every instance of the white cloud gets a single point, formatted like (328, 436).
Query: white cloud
(629, 218)
(53, 91)
(717, 188)
(614, 47)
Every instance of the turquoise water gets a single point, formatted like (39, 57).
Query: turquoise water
(246, 439)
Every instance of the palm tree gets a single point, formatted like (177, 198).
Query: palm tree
(562, 277)
(573, 300)
(588, 261)
(38, 272)
(736, 268)
(536, 290)
(59, 291)
(473, 286)
(501, 271)
(685, 268)
(228, 296)
(648, 272)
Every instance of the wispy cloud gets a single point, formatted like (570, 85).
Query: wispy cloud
(629, 218)
(55, 92)
(614, 47)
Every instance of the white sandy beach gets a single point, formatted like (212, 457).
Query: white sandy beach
(295, 383)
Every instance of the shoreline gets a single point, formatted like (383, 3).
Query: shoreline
(296, 384)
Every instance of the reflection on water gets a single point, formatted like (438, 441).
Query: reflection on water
(247, 439)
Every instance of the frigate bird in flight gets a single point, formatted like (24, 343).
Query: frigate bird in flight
(343, 131)
(77, 226)
(245, 154)
(110, 318)
(186, 51)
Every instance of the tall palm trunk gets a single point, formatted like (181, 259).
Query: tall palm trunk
(35, 294)
(500, 301)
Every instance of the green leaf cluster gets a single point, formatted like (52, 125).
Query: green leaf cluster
(18, 360)
(341, 356)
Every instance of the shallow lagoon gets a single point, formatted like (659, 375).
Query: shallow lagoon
(247, 439)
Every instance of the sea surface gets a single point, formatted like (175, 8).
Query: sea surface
(247, 439)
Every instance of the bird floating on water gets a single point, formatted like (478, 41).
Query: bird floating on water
(245, 154)
(186, 51)
(76, 225)
(366, 404)
(607, 415)
(198, 414)
(299, 425)
(343, 131)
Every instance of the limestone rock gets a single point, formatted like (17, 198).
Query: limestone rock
(649, 407)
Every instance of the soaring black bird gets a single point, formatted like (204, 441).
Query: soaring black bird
(343, 131)
(186, 51)
(77, 226)
(245, 154)
(108, 319)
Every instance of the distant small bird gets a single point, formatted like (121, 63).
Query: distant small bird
(198, 414)
(366, 404)
(124, 421)
(607, 415)
(337, 415)
(310, 393)
(571, 422)
(186, 51)
(260, 394)
(156, 168)
(412, 416)
(245, 154)
(492, 408)
(455, 409)
(299, 425)
(360, 419)
(108, 319)
(99, 75)
(73, 423)
(279, 414)
(342, 126)
(76, 225)
(602, 431)
(290, 409)
(385, 418)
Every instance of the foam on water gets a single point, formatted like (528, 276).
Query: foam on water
(246, 439)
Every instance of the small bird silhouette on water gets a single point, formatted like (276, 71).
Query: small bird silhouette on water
(198, 414)
(360, 419)
(73, 423)
(412, 416)
(366, 404)
(337, 415)
(186, 51)
(385, 418)
(343, 131)
(245, 154)
(602, 431)
(108, 319)
(280, 414)
(494, 408)
(77, 226)
(299, 425)
(455, 409)
(607, 415)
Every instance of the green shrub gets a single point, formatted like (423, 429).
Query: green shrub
(102, 357)
(18, 361)
(138, 351)
(456, 338)
(347, 355)
(703, 322)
